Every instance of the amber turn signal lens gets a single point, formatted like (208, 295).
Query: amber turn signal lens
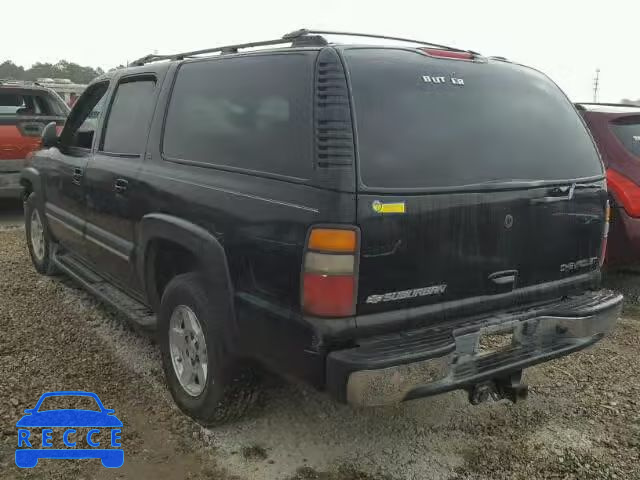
(332, 240)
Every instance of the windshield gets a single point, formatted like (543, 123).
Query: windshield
(426, 123)
(628, 132)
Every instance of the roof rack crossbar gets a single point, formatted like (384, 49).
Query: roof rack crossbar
(302, 37)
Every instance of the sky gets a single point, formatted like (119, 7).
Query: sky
(566, 39)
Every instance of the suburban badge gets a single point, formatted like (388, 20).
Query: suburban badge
(406, 294)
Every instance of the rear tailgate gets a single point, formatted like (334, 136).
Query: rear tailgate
(477, 179)
(21, 135)
(23, 115)
(623, 147)
(461, 246)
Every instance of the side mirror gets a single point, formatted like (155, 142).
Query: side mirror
(49, 135)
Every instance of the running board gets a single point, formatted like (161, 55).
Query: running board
(136, 312)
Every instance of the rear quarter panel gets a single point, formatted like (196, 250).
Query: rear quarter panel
(262, 224)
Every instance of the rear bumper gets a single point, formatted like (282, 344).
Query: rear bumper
(413, 364)
(10, 178)
(10, 185)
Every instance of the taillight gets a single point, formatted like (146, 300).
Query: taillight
(435, 52)
(329, 272)
(605, 233)
(626, 192)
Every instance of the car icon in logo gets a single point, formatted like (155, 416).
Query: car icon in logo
(32, 447)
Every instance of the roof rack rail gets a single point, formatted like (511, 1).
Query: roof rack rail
(305, 31)
(298, 38)
(10, 81)
(579, 104)
(301, 40)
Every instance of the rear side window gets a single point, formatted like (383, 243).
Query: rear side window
(628, 132)
(424, 122)
(251, 113)
(33, 104)
(129, 117)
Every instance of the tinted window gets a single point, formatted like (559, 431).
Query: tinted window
(30, 104)
(628, 132)
(248, 112)
(426, 122)
(49, 103)
(129, 118)
(10, 103)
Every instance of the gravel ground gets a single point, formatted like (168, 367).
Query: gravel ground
(582, 420)
(10, 212)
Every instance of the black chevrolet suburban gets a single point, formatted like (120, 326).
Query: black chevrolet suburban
(384, 222)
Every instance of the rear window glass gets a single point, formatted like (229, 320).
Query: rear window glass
(427, 123)
(249, 112)
(29, 104)
(628, 132)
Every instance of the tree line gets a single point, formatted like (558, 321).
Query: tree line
(63, 69)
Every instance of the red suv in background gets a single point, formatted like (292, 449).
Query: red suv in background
(616, 130)
(25, 109)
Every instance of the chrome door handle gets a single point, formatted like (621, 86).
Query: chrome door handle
(557, 198)
(77, 175)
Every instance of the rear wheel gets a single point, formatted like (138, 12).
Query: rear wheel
(205, 381)
(38, 238)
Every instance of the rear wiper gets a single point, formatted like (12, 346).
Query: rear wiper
(506, 182)
(534, 183)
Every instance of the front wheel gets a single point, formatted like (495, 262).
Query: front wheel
(203, 378)
(38, 238)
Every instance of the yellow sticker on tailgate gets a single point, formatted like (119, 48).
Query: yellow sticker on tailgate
(390, 207)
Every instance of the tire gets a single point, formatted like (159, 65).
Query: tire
(39, 242)
(226, 391)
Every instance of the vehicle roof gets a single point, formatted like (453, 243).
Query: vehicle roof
(148, 68)
(609, 108)
(297, 41)
(18, 87)
(164, 64)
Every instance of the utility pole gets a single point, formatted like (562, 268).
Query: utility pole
(596, 85)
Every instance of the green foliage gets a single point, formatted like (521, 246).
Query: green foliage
(63, 69)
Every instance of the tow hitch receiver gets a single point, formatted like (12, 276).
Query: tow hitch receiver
(510, 388)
